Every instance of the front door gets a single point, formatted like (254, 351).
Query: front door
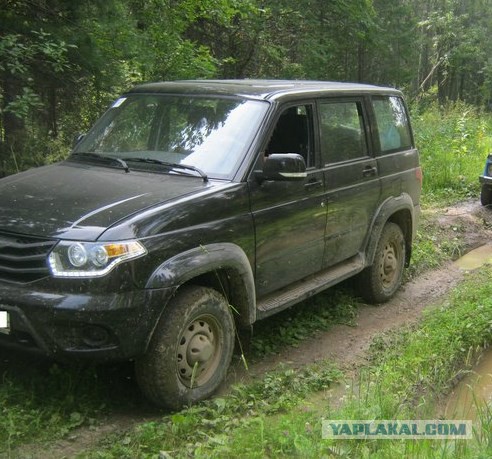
(289, 217)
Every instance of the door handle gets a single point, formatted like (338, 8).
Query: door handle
(369, 170)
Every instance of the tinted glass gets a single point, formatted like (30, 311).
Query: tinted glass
(211, 134)
(392, 124)
(293, 133)
(342, 131)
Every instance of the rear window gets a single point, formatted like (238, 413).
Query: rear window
(392, 124)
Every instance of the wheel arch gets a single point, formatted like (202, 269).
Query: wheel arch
(400, 211)
(224, 267)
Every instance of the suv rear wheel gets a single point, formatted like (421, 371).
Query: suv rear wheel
(379, 282)
(190, 351)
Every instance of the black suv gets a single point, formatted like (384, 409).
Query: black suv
(193, 209)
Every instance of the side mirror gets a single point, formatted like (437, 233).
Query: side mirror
(78, 137)
(284, 167)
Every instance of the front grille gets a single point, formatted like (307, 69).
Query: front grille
(22, 258)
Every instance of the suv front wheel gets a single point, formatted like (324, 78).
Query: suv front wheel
(379, 282)
(190, 351)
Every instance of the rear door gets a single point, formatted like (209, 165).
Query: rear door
(351, 176)
(396, 154)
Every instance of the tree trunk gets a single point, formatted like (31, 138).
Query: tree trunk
(12, 127)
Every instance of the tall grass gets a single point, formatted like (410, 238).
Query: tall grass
(453, 143)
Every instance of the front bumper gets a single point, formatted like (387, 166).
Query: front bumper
(104, 326)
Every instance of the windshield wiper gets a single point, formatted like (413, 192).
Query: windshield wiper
(120, 161)
(170, 165)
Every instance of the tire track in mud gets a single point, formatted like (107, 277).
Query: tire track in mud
(347, 345)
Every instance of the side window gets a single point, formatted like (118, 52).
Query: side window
(293, 133)
(392, 123)
(342, 131)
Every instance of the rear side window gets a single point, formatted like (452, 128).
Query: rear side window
(392, 124)
(342, 131)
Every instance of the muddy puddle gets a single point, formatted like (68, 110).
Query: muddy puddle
(473, 393)
(475, 258)
(475, 390)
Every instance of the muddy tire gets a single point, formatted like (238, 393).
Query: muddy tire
(379, 282)
(190, 350)
(486, 195)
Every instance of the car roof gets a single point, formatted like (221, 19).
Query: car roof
(260, 89)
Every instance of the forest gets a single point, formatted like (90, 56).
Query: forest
(63, 61)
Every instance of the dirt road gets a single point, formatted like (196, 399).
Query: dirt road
(469, 224)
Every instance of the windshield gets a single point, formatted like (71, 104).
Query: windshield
(212, 134)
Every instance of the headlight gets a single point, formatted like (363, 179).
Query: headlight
(489, 169)
(91, 259)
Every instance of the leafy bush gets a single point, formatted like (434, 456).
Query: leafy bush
(453, 143)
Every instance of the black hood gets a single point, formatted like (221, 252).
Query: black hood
(79, 201)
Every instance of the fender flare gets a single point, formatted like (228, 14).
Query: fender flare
(399, 210)
(225, 257)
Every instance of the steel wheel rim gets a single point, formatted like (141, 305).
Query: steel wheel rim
(389, 267)
(199, 351)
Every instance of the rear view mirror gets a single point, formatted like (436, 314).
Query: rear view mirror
(77, 138)
(284, 167)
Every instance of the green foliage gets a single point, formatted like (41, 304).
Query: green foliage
(25, 58)
(454, 143)
(452, 34)
(335, 306)
(206, 428)
(24, 103)
(41, 401)
(23, 407)
(60, 67)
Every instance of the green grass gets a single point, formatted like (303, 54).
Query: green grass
(290, 327)
(409, 370)
(201, 429)
(42, 401)
(414, 366)
(453, 143)
(280, 416)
